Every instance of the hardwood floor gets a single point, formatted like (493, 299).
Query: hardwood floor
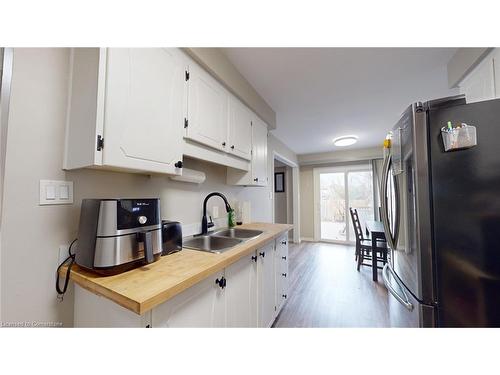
(327, 291)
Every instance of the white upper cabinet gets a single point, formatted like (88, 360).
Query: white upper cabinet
(257, 175)
(239, 130)
(207, 109)
(145, 95)
(496, 71)
(480, 84)
(143, 109)
(483, 82)
(126, 109)
(259, 160)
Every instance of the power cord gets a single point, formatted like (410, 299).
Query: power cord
(71, 259)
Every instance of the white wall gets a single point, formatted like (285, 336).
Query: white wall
(275, 145)
(280, 201)
(31, 234)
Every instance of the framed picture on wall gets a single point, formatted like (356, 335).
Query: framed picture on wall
(279, 182)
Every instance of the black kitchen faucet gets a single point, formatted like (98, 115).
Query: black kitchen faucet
(204, 222)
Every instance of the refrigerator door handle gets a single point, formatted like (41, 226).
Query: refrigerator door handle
(401, 299)
(392, 238)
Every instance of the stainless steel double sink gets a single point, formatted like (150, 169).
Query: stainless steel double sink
(220, 240)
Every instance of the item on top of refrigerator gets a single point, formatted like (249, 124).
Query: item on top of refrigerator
(459, 137)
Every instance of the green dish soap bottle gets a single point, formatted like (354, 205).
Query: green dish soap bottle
(231, 222)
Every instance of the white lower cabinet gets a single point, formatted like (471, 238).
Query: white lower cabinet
(266, 288)
(247, 293)
(241, 292)
(202, 305)
(281, 271)
(94, 311)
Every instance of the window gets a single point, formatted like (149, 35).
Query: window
(337, 189)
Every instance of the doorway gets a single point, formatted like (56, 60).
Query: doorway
(336, 189)
(285, 193)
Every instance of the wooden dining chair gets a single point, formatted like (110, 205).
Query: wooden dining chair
(364, 245)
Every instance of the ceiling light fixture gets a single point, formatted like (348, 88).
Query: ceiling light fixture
(345, 140)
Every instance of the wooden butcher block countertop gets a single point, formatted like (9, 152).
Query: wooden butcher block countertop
(144, 288)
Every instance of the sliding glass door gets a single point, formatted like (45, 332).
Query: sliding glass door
(337, 189)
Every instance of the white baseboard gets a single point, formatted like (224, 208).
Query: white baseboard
(307, 239)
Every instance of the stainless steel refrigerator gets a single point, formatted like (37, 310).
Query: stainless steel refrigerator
(441, 213)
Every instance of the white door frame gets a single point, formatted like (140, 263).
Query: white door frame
(8, 56)
(295, 189)
(317, 204)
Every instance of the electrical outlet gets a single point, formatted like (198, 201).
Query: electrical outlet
(215, 212)
(63, 253)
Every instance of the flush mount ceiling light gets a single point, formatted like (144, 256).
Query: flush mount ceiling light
(345, 140)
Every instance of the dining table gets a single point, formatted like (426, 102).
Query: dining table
(375, 229)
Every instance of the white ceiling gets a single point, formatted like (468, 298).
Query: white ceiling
(323, 93)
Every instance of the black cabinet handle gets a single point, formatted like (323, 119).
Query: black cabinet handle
(254, 258)
(283, 242)
(224, 144)
(284, 258)
(232, 147)
(283, 274)
(221, 282)
(283, 295)
(256, 179)
(262, 254)
(178, 164)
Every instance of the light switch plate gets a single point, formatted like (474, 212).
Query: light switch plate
(56, 192)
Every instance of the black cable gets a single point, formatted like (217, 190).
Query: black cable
(70, 257)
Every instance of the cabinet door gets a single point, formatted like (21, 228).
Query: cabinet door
(143, 116)
(207, 109)
(266, 285)
(480, 84)
(259, 153)
(284, 265)
(281, 268)
(202, 305)
(240, 130)
(241, 293)
(279, 279)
